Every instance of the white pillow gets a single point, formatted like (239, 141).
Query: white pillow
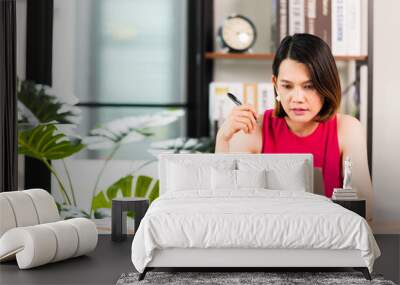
(291, 177)
(280, 174)
(251, 178)
(223, 179)
(183, 177)
(228, 179)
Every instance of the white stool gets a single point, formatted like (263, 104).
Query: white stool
(31, 230)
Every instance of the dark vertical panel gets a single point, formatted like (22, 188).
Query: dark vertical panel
(370, 81)
(207, 71)
(8, 104)
(191, 67)
(39, 51)
(200, 40)
(39, 41)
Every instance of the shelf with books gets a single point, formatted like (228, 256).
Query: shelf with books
(270, 56)
(344, 25)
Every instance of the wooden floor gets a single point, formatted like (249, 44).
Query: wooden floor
(110, 259)
(103, 266)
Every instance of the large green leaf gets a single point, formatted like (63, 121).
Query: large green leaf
(124, 185)
(69, 211)
(100, 201)
(42, 142)
(155, 192)
(183, 144)
(46, 108)
(129, 129)
(142, 185)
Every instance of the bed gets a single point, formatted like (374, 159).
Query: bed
(247, 210)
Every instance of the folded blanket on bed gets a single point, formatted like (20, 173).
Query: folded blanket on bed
(252, 218)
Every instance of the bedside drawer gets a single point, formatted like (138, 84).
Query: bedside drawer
(357, 206)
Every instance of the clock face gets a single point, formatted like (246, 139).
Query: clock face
(238, 33)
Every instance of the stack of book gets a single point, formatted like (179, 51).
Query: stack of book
(344, 194)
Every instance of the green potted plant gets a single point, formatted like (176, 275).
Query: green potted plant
(112, 136)
(43, 121)
(46, 133)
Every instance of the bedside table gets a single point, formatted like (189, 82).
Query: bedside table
(119, 211)
(355, 205)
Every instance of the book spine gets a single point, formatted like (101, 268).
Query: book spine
(345, 198)
(352, 27)
(310, 7)
(274, 37)
(282, 21)
(250, 95)
(338, 28)
(323, 24)
(345, 194)
(266, 98)
(296, 17)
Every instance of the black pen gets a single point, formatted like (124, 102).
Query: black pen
(236, 101)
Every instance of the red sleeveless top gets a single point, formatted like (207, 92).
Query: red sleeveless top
(322, 143)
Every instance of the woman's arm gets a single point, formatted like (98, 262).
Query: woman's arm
(353, 143)
(240, 131)
(241, 142)
(221, 144)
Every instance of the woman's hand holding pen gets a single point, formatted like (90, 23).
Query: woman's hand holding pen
(242, 117)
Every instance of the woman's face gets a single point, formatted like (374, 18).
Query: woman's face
(296, 92)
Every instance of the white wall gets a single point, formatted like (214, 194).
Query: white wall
(20, 9)
(386, 127)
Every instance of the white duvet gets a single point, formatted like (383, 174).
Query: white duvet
(253, 218)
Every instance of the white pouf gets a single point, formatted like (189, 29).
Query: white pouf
(31, 230)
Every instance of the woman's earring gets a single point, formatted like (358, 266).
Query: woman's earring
(277, 95)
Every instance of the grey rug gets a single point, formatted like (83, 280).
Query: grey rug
(226, 278)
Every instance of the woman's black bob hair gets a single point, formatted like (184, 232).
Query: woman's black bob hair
(317, 56)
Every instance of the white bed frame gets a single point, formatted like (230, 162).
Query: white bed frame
(241, 258)
(251, 257)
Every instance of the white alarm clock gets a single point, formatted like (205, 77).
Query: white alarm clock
(238, 33)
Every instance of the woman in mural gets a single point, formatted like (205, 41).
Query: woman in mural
(305, 118)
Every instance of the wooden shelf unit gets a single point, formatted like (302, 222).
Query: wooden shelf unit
(270, 56)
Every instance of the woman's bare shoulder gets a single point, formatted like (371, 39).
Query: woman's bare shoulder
(350, 130)
(347, 123)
